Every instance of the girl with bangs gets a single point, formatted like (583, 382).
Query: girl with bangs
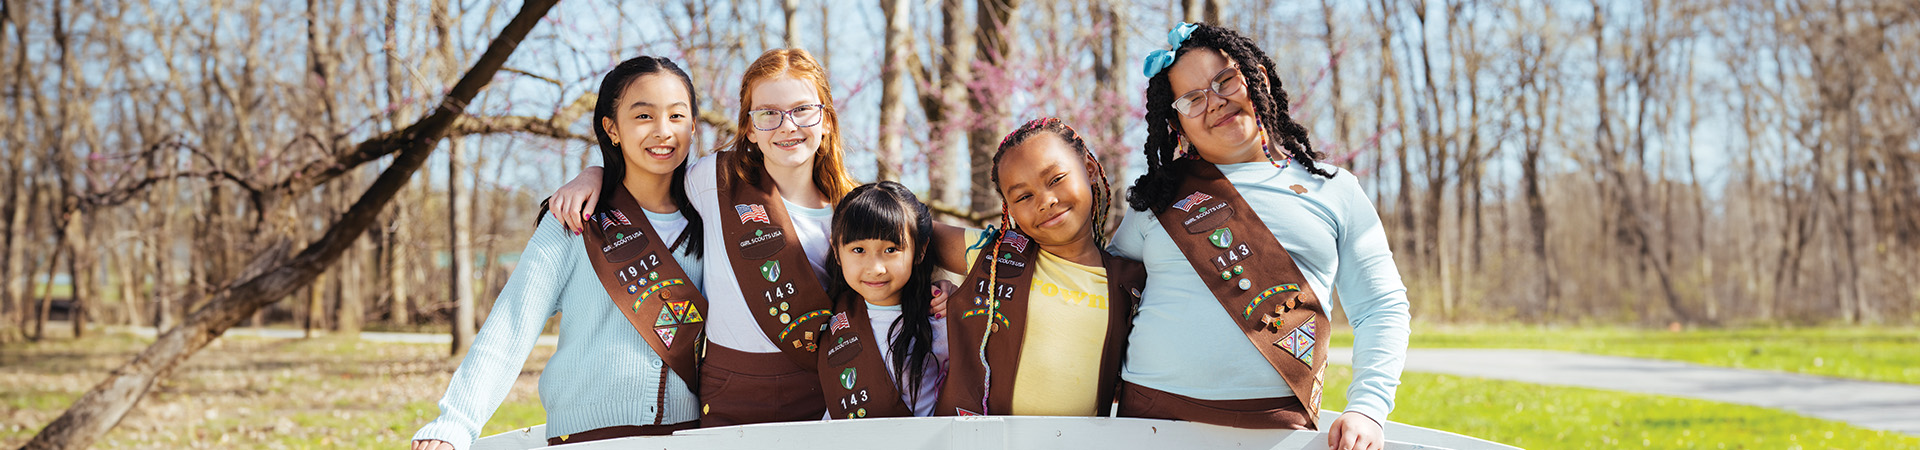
(767, 196)
(883, 355)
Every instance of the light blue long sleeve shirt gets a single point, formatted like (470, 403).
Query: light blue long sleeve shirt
(602, 374)
(1184, 343)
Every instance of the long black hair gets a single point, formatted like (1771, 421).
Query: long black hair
(1155, 189)
(615, 162)
(889, 212)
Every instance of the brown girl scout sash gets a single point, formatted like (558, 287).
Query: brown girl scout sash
(853, 376)
(1253, 277)
(961, 396)
(647, 285)
(771, 266)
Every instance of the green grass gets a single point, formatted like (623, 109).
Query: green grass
(1539, 416)
(328, 392)
(1876, 354)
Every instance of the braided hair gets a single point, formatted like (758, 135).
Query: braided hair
(1155, 190)
(1097, 180)
(1101, 193)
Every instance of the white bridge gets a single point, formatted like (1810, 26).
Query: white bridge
(990, 433)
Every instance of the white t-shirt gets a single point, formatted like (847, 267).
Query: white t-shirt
(731, 322)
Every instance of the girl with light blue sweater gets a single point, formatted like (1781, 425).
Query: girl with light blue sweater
(1246, 238)
(627, 288)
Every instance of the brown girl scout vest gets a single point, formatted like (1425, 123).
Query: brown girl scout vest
(647, 285)
(968, 323)
(778, 284)
(1252, 276)
(853, 377)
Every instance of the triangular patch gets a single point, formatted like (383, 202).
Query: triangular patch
(679, 310)
(964, 412)
(666, 317)
(1302, 343)
(693, 315)
(666, 335)
(1286, 343)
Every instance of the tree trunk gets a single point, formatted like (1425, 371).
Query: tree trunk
(790, 16)
(17, 274)
(460, 285)
(350, 311)
(989, 108)
(317, 304)
(948, 111)
(400, 312)
(79, 274)
(1342, 141)
(893, 111)
(46, 291)
(101, 408)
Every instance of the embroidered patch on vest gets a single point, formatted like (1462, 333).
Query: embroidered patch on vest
(1266, 295)
(752, 213)
(1010, 265)
(1014, 239)
(1186, 204)
(1207, 218)
(763, 244)
(770, 271)
(666, 335)
(844, 349)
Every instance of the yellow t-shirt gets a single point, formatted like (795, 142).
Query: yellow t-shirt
(1060, 355)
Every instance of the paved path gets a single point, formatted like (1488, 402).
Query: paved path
(1868, 404)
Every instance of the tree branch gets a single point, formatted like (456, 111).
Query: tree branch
(102, 407)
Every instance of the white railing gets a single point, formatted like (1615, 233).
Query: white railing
(990, 433)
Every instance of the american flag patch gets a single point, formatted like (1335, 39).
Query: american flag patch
(840, 322)
(1014, 239)
(752, 213)
(1192, 199)
(620, 218)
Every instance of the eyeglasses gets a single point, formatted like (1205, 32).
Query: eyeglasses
(802, 116)
(1226, 83)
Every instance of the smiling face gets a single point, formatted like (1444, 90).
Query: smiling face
(1045, 184)
(877, 269)
(1223, 129)
(652, 124)
(788, 146)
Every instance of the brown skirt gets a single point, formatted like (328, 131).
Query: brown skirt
(623, 431)
(1267, 413)
(738, 388)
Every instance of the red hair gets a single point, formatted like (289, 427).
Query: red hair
(829, 174)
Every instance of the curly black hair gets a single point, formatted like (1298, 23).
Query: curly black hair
(1155, 189)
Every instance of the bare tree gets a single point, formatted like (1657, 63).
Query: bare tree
(893, 113)
(276, 274)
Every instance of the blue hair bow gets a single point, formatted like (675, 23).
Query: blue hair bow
(1161, 59)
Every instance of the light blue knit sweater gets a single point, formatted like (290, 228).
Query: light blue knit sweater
(603, 373)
